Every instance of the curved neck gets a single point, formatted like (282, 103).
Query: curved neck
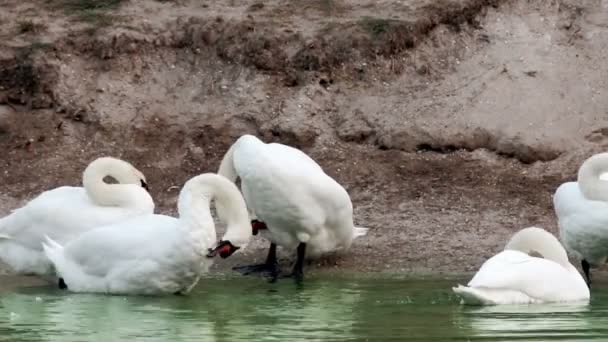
(227, 168)
(106, 194)
(589, 182)
(194, 208)
(534, 240)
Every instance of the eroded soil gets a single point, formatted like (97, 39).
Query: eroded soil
(450, 123)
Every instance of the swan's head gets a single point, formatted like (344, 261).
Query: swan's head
(237, 236)
(224, 248)
(122, 171)
(133, 176)
(142, 179)
(539, 243)
(230, 207)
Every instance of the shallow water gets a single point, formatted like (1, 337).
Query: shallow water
(322, 308)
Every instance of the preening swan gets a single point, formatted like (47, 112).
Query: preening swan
(582, 213)
(65, 212)
(155, 254)
(533, 268)
(291, 200)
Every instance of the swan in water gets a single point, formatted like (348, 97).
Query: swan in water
(65, 212)
(533, 268)
(156, 254)
(297, 204)
(582, 213)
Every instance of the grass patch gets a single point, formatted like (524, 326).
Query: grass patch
(97, 18)
(327, 6)
(29, 26)
(25, 53)
(95, 12)
(377, 26)
(90, 5)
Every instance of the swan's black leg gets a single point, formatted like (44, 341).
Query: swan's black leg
(298, 271)
(586, 268)
(62, 284)
(298, 268)
(270, 267)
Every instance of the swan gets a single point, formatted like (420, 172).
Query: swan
(533, 268)
(65, 212)
(156, 254)
(291, 201)
(582, 213)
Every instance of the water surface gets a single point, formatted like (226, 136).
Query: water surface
(323, 308)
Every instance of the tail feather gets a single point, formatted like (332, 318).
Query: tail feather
(469, 295)
(360, 231)
(50, 243)
(53, 252)
(52, 249)
(3, 228)
(490, 296)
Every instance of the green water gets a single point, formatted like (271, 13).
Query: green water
(323, 308)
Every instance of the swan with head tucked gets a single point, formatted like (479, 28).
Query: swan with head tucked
(582, 213)
(156, 254)
(65, 212)
(533, 268)
(291, 200)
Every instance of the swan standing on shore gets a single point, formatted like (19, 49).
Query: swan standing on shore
(65, 212)
(533, 268)
(297, 204)
(582, 213)
(156, 254)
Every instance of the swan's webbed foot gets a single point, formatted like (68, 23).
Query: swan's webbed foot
(297, 275)
(586, 269)
(265, 269)
(62, 284)
(269, 268)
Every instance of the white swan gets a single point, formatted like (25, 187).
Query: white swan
(302, 207)
(582, 213)
(65, 212)
(533, 268)
(155, 254)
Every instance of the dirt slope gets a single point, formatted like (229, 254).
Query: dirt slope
(450, 123)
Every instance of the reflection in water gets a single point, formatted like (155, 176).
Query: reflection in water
(524, 320)
(336, 309)
(538, 322)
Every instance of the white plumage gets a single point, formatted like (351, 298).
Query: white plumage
(290, 193)
(582, 212)
(517, 276)
(155, 254)
(65, 212)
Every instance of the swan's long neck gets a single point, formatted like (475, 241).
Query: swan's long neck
(537, 240)
(227, 168)
(194, 208)
(589, 182)
(103, 193)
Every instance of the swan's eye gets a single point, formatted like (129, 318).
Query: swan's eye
(144, 185)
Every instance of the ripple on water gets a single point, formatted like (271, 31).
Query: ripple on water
(338, 309)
